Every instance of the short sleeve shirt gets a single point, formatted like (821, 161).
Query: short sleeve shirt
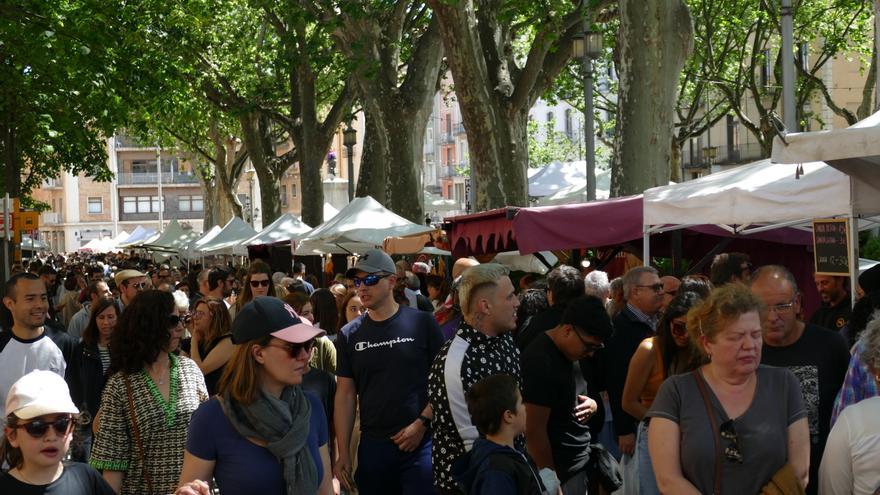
(762, 431)
(389, 362)
(241, 466)
(76, 479)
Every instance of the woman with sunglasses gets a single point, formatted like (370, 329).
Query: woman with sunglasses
(37, 434)
(257, 282)
(668, 353)
(211, 345)
(262, 433)
(731, 426)
(148, 400)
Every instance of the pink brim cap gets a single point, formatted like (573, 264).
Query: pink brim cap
(299, 333)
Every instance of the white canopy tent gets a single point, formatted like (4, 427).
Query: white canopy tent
(233, 233)
(138, 236)
(359, 226)
(526, 262)
(189, 250)
(172, 239)
(285, 228)
(577, 192)
(557, 176)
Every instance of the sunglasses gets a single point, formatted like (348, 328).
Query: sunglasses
(257, 283)
(678, 328)
(295, 348)
(370, 280)
(655, 287)
(139, 286)
(39, 427)
(732, 451)
(175, 320)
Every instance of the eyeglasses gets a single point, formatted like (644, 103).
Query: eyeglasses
(589, 347)
(39, 427)
(678, 328)
(199, 314)
(370, 280)
(728, 432)
(781, 308)
(257, 283)
(175, 320)
(295, 348)
(658, 287)
(138, 286)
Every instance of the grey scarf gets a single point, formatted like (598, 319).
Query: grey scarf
(283, 424)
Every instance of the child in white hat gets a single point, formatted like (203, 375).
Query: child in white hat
(38, 430)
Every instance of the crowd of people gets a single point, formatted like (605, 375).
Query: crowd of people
(123, 376)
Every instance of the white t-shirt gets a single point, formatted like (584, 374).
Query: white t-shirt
(20, 357)
(851, 462)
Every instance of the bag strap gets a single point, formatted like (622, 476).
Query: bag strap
(701, 385)
(137, 434)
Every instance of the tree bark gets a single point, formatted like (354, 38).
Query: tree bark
(257, 136)
(372, 179)
(655, 40)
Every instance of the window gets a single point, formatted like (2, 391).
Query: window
(283, 196)
(766, 67)
(569, 125)
(191, 203)
(449, 160)
(95, 205)
(129, 204)
(293, 190)
(550, 117)
(140, 204)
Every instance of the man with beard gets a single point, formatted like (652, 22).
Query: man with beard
(482, 346)
(835, 311)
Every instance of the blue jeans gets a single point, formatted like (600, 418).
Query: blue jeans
(383, 469)
(647, 482)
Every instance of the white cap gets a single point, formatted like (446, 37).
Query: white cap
(38, 393)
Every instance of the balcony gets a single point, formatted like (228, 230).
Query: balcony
(459, 129)
(125, 141)
(149, 179)
(447, 138)
(51, 218)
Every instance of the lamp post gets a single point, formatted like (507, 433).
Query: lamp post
(588, 47)
(349, 139)
(250, 177)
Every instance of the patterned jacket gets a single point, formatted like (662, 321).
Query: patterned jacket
(461, 362)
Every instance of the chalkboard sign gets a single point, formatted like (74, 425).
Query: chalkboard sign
(831, 246)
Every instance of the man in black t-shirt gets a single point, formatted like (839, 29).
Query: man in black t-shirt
(817, 356)
(836, 309)
(557, 436)
(383, 358)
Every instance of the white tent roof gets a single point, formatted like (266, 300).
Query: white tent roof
(435, 202)
(329, 211)
(360, 225)
(172, 238)
(285, 228)
(577, 192)
(757, 193)
(138, 235)
(854, 151)
(526, 262)
(235, 231)
(189, 249)
(556, 177)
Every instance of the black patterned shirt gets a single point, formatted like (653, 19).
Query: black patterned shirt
(162, 425)
(461, 362)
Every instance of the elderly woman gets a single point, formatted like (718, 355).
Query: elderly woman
(148, 399)
(262, 433)
(732, 426)
(851, 462)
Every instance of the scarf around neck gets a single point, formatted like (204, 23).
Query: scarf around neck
(283, 424)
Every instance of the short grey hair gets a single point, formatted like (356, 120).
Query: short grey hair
(596, 284)
(633, 276)
(181, 300)
(870, 340)
(478, 277)
(775, 270)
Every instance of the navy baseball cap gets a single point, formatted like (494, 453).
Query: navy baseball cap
(267, 315)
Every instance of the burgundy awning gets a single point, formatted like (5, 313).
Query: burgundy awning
(480, 233)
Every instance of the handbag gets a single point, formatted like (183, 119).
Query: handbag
(604, 467)
(137, 435)
(701, 384)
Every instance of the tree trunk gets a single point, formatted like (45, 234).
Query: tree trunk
(227, 204)
(209, 217)
(675, 161)
(656, 37)
(310, 165)
(257, 136)
(372, 180)
(11, 163)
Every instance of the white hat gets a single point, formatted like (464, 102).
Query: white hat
(38, 393)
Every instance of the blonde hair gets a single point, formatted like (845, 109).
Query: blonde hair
(724, 305)
(476, 278)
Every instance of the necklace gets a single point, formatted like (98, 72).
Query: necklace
(160, 380)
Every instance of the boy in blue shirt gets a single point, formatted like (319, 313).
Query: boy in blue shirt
(493, 466)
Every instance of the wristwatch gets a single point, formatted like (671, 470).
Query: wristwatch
(425, 421)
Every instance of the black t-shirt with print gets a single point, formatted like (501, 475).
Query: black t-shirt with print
(77, 479)
(389, 362)
(553, 381)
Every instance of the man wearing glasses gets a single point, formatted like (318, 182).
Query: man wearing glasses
(817, 356)
(130, 283)
(643, 292)
(553, 388)
(383, 359)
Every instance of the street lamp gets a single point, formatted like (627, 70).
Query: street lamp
(250, 177)
(587, 46)
(349, 139)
